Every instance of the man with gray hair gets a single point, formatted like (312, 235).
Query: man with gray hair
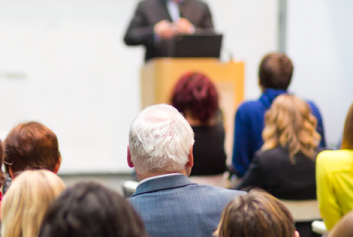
(160, 149)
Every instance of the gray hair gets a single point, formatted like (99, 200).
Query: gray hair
(160, 140)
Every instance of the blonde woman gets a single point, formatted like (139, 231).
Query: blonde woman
(26, 201)
(257, 214)
(285, 165)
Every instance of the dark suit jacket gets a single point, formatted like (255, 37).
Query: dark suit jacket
(150, 12)
(272, 171)
(173, 206)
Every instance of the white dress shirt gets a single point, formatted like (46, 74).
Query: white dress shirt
(157, 177)
(173, 9)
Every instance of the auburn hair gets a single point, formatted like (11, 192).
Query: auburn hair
(195, 92)
(31, 146)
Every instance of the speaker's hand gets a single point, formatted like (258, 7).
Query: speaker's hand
(184, 26)
(164, 29)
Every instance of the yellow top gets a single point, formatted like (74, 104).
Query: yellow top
(334, 178)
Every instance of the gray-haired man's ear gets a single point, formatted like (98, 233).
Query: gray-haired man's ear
(129, 162)
(190, 163)
(191, 158)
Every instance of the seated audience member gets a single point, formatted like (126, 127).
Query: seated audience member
(91, 210)
(343, 228)
(334, 177)
(275, 74)
(285, 165)
(257, 214)
(196, 98)
(31, 146)
(27, 200)
(160, 149)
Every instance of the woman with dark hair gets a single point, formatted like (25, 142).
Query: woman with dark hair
(257, 214)
(91, 210)
(196, 98)
(334, 177)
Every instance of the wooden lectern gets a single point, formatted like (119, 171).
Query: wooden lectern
(159, 76)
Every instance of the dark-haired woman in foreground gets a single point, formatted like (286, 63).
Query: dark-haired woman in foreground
(91, 210)
(257, 214)
(196, 98)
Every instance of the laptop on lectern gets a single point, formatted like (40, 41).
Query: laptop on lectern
(195, 46)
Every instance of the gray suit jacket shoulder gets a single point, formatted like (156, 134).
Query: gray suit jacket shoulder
(173, 206)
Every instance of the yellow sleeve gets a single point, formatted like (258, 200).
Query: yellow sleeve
(329, 208)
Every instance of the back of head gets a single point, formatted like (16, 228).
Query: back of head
(275, 71)
(91, 210)
(290, 123)
(31, 146)
(160, 140)
(26, 201)
(347, 140)
(256, 214)
(195, 93)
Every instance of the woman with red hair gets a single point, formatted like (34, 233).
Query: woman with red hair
(196, 98)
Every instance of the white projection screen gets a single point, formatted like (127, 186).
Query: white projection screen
(63, 63)
(319, 41)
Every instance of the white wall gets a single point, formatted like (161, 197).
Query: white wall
(251, 31)
(320, 43)
(63, 63)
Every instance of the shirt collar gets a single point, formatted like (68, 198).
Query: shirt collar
(156, 177)
(177, 2)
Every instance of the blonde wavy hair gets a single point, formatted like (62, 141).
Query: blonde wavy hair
(290, 123)
(26, 201)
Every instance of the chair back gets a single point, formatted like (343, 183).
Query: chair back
(303, 211)
(129, 187)
(213, 180)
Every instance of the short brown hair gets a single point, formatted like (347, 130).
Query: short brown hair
(256, 214)
(31, 146)
(347, 140)
(275, 71)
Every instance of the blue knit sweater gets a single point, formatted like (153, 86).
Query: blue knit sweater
(249, 123)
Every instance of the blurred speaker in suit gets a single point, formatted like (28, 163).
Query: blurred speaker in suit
(155, 21)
